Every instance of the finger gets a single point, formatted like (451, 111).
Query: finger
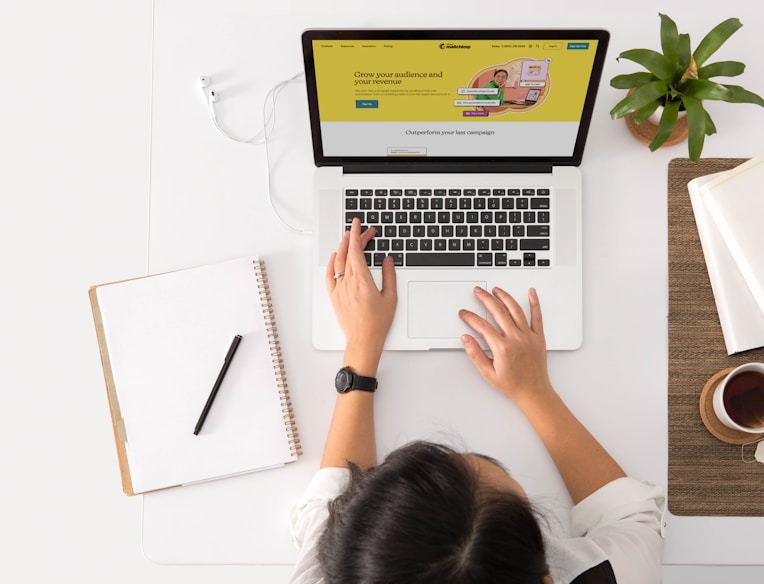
(355, 255)
(477, 355)
(497, 308)
(329, 277)
(537, 321)
(389, 279)
(340, 257)
(480, 325)
(513, 308)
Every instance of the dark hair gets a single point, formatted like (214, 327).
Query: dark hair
(422, 516)
(495, 73)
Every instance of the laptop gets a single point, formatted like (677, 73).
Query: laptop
(413, 132)
(531, 98)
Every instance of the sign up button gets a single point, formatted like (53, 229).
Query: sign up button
(366, 103)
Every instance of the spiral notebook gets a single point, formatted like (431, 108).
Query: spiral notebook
(162, 340)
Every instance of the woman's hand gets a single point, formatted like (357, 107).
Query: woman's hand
(364, 312)
(518, 368)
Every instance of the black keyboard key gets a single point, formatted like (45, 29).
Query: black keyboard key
(470, 192)
(366, 204)
(538, 230)
(391, 231)
(543, 263)
(408, 204)
(454, 192)
(425, 244)
(534, 244)
(540, 203)
(473, 216)
(396, 192)
(380, 192)
(422, 204)
(397, 258)
(350, 215)
(433, 231)
(522, 203)
(412, 245)
(515, 263)
(476, 231)
(440, 192)
(454, 244)
(462, 231)
(383, 244)
(542, 192)
(508, 204)
(440, 259)
(396, 245)
(394, 204)
(366, 192)
(419, 231)
(485, 259)
(543, 217)
(439, 245)
(468, 244)
(483, 244)
(351, 192)
(351, 204)
(480, 203)
(529, 192)
(380, 204)
(387, 216)
(500, 259)
(425, 192)
(409, 192)
(529, 259)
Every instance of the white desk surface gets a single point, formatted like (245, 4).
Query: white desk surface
(95, 200)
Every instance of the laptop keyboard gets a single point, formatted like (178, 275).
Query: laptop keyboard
(421, 227)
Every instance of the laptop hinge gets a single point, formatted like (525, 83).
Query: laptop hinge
(445, 167)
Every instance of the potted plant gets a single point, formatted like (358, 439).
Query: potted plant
(680, 80)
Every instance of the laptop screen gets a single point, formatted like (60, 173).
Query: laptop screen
(444, 95)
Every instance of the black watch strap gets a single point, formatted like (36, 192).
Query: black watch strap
(346, 381)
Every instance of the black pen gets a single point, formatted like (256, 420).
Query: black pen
(218, 382)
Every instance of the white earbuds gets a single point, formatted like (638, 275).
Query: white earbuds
(208, 94)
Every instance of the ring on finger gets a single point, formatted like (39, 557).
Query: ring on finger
(338, 275)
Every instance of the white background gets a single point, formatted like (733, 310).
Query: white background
(76, 95)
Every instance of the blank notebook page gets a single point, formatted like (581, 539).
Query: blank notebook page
(167, 337)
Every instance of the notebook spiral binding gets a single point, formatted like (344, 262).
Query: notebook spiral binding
(276, 357)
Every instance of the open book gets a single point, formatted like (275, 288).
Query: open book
(163, 340)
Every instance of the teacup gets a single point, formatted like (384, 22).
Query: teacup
(739, 399)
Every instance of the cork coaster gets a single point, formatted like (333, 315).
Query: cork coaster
(646, 131)
(711, 420)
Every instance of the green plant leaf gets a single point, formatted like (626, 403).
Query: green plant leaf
(631, 80)
(639, 98)
(710, 126)
(716, 37)
(721, 69)
(669, 37)
(651, 60)
(705, 89)
(740, 95)
(646, 111)
(684, 55)
(696, 126)
(666, 126)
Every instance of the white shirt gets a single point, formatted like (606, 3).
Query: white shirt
(620, 522)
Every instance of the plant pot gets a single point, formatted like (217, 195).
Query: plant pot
(646, 131)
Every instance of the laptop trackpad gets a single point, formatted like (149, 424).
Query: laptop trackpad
(433, 308)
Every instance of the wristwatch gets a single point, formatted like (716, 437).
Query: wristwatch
(346, 381)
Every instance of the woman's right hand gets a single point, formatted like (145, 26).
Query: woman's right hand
(518, 368)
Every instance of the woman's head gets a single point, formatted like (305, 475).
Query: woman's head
(429, 514)
(500, 76)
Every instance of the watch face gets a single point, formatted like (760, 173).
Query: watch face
(343, 380)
